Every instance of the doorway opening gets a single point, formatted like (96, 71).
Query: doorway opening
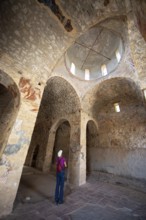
(62, 142)
(92, 142)
(35, 156)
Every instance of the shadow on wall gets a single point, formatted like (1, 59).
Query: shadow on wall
(92, 141)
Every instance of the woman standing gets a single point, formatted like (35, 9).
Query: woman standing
(60, 175)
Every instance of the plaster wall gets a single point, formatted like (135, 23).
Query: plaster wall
(19, 130)
(119, 161)
(13, 159)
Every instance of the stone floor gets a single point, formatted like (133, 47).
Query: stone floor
(103, 197)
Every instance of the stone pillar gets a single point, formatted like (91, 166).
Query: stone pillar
(13, 158)
(74, 156)
(29, 157)
(83, 153)
(49, 151)
(77, 155)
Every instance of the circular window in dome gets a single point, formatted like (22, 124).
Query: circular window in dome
(95, 54)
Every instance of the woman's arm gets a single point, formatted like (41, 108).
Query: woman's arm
(65, 164)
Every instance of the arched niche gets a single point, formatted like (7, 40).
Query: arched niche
(122, 138)
(110, 91)
(92, 142)
(59, 138)
(9, 106)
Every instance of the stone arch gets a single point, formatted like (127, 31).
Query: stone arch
(62, 141)
(121, 134)
(10, 103)
(92, 142)
(51, 142)
(59, 102)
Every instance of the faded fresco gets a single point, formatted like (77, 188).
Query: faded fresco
(19, 137)
(30, 94)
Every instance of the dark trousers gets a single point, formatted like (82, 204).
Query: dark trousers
(59, 187)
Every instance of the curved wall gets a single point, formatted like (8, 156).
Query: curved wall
(59, 103)
(120, 145)
(9, 106)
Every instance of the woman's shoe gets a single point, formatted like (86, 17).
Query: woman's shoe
(57, 202)
(61, 202)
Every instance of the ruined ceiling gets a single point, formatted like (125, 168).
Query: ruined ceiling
(95, 48)
(36, 34)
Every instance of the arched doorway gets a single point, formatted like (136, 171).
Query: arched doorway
(92, 142)
(35, 156)
(62, 141)
(60, 103)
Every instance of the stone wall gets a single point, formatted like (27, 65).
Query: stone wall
(114, 147)
(123, 162)
(139, 9)
(136, 40)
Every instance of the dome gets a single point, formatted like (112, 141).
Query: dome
(95, 54)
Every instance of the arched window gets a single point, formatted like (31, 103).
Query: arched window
(87, 74)
(73, 69)
(118, 55)
(117, 107)
(104, 70)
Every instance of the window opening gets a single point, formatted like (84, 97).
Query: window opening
(117, 107)
(118, 56)
(104, 70)
(73, 69)
(87, 74)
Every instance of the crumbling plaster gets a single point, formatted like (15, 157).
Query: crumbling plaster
(33, 40)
